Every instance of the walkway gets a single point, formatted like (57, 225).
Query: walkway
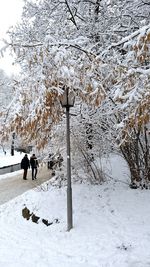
(15, 185)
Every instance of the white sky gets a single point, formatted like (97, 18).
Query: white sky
(10, 12)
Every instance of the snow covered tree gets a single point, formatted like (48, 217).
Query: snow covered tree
(130, 98)
(6, 96)
(5, 90)
(100, 50)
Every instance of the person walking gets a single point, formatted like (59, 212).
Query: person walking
(60, 160)
(34, 165)
(25, 164)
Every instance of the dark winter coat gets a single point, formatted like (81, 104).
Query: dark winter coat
(34, 162)
(25, 164)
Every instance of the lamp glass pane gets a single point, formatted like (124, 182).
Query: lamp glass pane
(67, 99)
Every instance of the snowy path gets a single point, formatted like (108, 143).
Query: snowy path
(15, 185)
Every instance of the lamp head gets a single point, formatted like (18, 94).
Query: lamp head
(67, 98)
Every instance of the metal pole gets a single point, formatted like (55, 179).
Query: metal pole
(12, 148)
(12, 144)
(69, 189)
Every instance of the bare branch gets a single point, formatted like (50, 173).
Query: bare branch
(72, 16)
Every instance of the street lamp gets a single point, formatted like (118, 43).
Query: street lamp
(67, 101)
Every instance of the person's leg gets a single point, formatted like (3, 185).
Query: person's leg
(35, 173)
(48, 165)
(32, 173)
(25, 175)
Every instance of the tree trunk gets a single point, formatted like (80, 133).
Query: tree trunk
(136, 152)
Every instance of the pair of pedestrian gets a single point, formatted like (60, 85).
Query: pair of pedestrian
(26, 163)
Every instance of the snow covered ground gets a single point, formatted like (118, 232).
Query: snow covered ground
(111, 226)
(6, 160)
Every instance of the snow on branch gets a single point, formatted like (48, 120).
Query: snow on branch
(129, 37)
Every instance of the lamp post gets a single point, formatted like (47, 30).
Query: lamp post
(67, 101)
(12, 144)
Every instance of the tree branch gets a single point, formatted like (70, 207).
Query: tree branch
(72, 16)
